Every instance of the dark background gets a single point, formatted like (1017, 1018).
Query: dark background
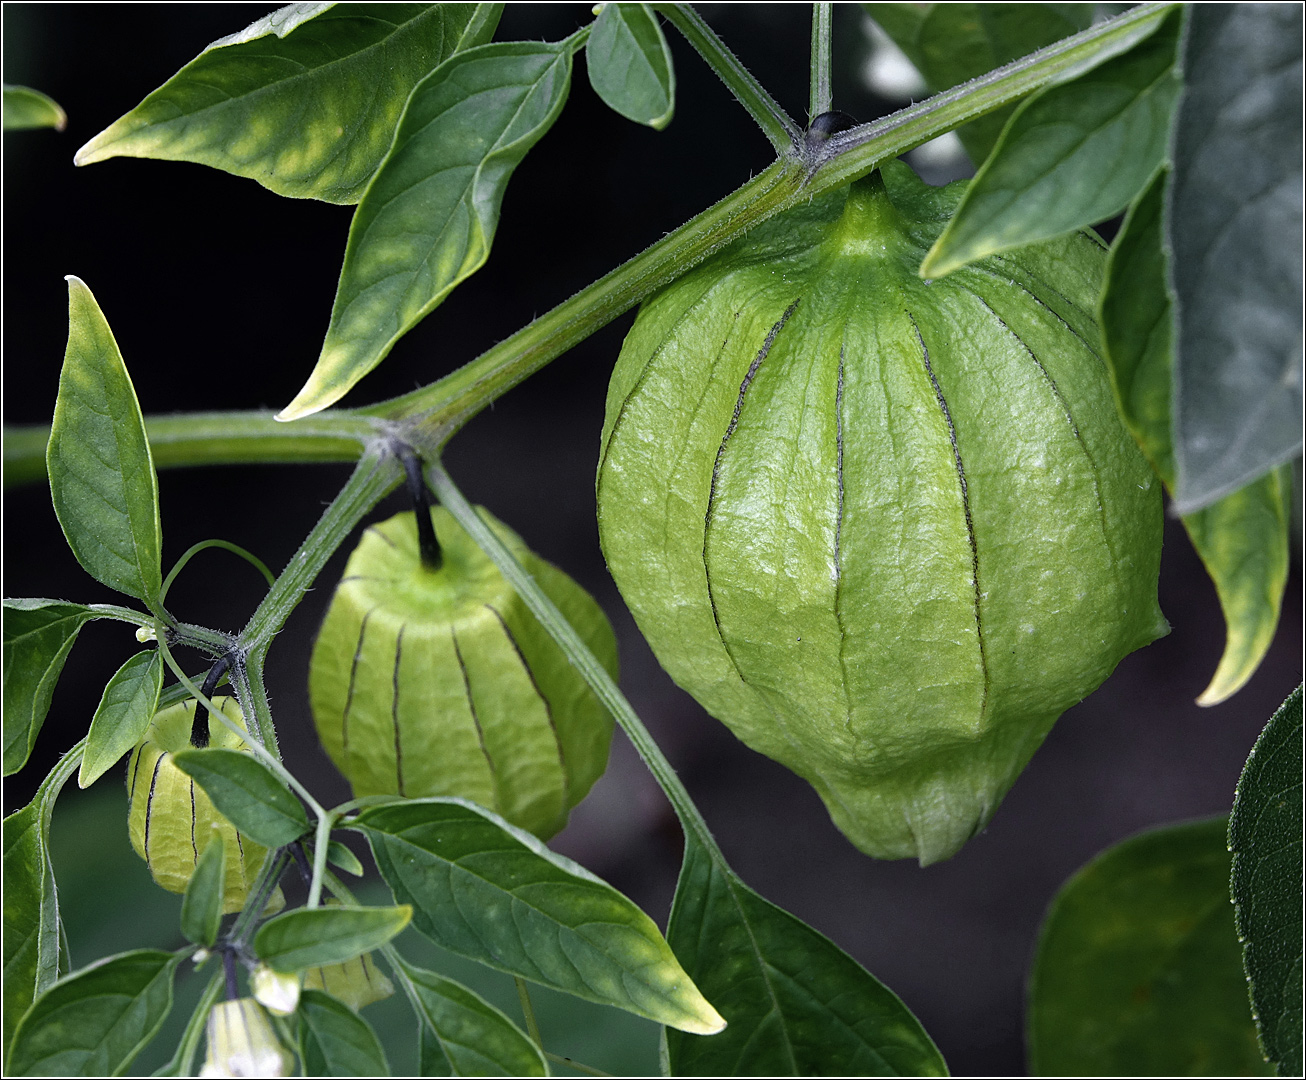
(219, 292)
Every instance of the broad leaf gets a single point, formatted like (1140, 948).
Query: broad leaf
(123, 716)
(953, 43)
(32, 931)
(429, 216)
(472, 1036)
(283, 102)
(795, 1003)
(1138, 971)
(28, 108)
(38, 635)
(102, 479)
(629, 64)
(1235, 230)
(1243, 538)
(335, 1041)
(326, 935)
(1265, 836)
(491, 892)
(201, 907)
(95, 1021)
(247, 794)
(183, 1059)
(1071, 156)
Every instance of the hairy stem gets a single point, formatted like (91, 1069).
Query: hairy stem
(820, 93)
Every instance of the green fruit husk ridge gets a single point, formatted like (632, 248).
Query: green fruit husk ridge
(885, 529)
(441, 682)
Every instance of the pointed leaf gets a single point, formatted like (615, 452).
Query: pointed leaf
(32, 930)
(102, 479)
(953, 43)
(1235, 230)
(474, 1037)
(326, 935)
(796, 1004)
(201, 907)
(428, 218)
(281, 102)
(128, 704)
(335, 1041)
(247, 794)
(28, 108)
(1242, 539)
(95, 1021)
(629, 64)
(491, 892)
(1265, 836)
(1071, 156)
(38, 635)
(1138, 970)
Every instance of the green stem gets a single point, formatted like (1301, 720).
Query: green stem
(377, 474)
(183, 1060)
(820, 94)
(577, 652)
(775, 123)
(588, 1070)
(528, 1011)
(204, 545)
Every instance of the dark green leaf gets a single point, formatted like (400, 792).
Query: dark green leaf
(796, 1004)
(102, 480)
(128, 704)
(38, 635)
(428, 218)
(28, 108)
(488, 891)
(1073, 155)
(629, 64)
(431, 1060)
(247, 794)
(952, 43)
(201, 907)
(1138, 970)
(34, 950)
(1243, 538)
(335, 1041)
(95, 1021)
(182, 1062)
(281, 102)
(471, 1036)
(326, 935)
(1265, 836)
(1235, 230)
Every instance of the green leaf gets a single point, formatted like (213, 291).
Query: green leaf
(282, 102)
(33, 955)
(102, 479)
(95, 1021)
(326, 935)
(474, 1037)
(1138, 970)
(201, 907)
(182, 1061)
(335, 1041)
(38, 635)
(1235, 229)
(1071, 156)
(629, 64)
(428, 218)
(796, 1004)
(1243, 538)
(341, 857)
(953, 43)
(28, 108)
(491, 892)
(123, 716)
(247, 794)
(1265, 836)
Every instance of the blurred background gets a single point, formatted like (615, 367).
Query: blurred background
(219, 293)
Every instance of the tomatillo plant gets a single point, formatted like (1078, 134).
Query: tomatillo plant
(880, 478)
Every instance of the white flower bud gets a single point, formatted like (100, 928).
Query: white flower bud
(242, 1042)
(277, 993)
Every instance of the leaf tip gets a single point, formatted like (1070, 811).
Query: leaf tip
(705, 1021)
